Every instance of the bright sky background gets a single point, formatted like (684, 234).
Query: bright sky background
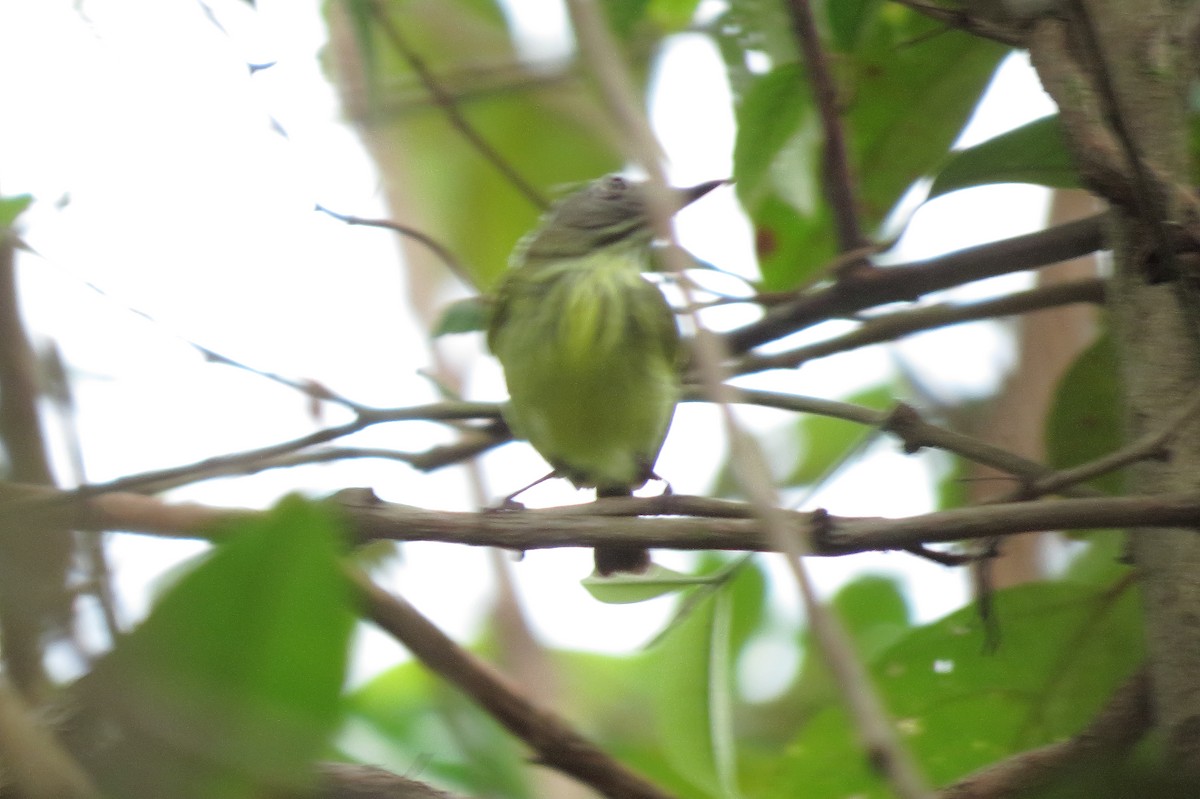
(160, 180)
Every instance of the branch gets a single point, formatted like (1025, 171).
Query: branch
(836, 175)
(672, 522)
(353, 781)
(557, 744)
(858, 290)
(1111, 734)
(1151, 445)
(34, 763)
(33, 596)
(893, 326)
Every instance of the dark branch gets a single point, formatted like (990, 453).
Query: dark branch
(893, 326)
(836, 175)
(861, 289)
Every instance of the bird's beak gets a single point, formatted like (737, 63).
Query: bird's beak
(689, 195)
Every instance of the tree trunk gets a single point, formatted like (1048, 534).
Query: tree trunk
(1145, 53)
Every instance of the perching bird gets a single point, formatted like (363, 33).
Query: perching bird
(589, 347)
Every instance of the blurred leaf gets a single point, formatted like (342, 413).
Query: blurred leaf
(824, 442)
(875, 613)
(748, 32)
(716, 572)
(1085, 420)
(672, 15)
(232, 684)
(1032, 153)
(624, 15)
(1101, 561)
(912, 93)
(952, 486)
(847, 18)
(693, 700)
(625, 588)
(467, 315)
(407, 718)
(11, 208)
(767, 118)
(792, 248)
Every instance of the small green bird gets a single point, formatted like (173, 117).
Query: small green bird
(589, 347)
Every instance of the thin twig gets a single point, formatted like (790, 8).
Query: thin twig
(1151, 445)
(240, 462)
(836, 175)
(454, 115)
(435, 246)
(556, 743)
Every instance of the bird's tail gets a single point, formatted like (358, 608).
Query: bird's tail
(615, 558)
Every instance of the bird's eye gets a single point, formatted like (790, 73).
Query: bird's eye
(616, 183)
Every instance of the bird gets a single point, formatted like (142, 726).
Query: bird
(589, 347)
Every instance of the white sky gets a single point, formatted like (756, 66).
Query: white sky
(183, 203)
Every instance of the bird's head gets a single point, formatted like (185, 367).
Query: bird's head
(610, 211)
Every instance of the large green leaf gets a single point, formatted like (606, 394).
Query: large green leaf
(1033, 153)
(768, 117)
(693, 700)
(1064, 648)
(691, 667)
(232, 685)
(1086, 420)
(913, 88)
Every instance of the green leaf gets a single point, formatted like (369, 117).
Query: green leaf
(693, 702)
(911, 94)
(768, 117)
(1085, 420)
(1033, 153)
(791, 247)
(467, 315)
(825, 441)
(875, 613)
(11, 208)
(231, 687)
(408, 715)
(847, 18)
(672, 15)
(1064, 648)
(625, 588)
